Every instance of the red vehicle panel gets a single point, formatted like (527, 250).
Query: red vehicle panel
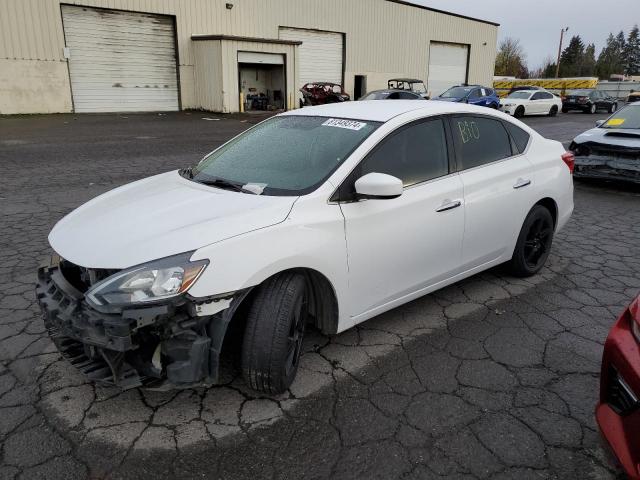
(618, 413)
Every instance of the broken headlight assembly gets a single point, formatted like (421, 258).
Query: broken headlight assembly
(148, 282)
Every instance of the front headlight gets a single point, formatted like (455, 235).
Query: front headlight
(157, 280)
(509, 104)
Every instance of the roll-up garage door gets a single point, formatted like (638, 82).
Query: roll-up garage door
(120, 61)
(320, 54)
(447, 66)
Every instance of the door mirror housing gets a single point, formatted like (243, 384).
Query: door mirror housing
(599, 123)
(378, 186)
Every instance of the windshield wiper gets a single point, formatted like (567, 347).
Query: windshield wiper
(186, 172)
(225, 184)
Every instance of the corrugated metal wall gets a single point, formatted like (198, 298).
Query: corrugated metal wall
(382, 38)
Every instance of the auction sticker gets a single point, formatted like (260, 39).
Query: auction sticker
(615, 122)
(348, 124)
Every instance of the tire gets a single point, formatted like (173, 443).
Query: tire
(565, 110)
(273, 334)
(554, 111)
(534, 243)
(519, 113)
(591, 109)
(494, 106)
(613, 108)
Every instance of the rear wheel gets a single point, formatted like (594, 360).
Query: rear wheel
(565, 110)
(519, 113)
(613, 107)
(273, 335)
(554, 111)
(534, 243)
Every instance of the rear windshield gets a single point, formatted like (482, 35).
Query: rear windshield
(579, 93)
(376, 95)
(287, 155)
(627, 118)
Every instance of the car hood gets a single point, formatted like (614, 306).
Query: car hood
(157, 217)
(611, 136)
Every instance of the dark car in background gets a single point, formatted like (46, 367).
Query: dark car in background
(618, 411)
(319, 93)
(471, 94)
(414, 85)
(390, 94)
(588, 101)
(612, 149)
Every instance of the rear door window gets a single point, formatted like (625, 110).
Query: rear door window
(479, 141)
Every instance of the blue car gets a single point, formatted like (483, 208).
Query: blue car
(471, 94)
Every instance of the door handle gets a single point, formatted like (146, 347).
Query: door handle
(521, 183)
(448, 205)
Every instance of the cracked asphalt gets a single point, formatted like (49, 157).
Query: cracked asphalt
(493, 377)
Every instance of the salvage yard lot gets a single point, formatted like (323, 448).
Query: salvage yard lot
(493, 377)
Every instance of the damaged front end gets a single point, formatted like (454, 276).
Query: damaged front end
(607, 161)
(161, 344)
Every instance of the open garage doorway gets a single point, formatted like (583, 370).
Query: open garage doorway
(262, 81)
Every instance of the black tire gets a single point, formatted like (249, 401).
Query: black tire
(519, 113)
(591, 109)
(613, 108)
(534, 243)
(565, 110)
(554, 111)
(273, 334)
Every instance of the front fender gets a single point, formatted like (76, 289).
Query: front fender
(249, 259)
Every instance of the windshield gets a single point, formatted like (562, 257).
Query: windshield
(456, 92)
(418, 88)
(627, 118)
(287, 155)
(381, 95)
(521, 94)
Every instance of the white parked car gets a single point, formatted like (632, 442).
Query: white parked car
(531, 102)
(332, 215)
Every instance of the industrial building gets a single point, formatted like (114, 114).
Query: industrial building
(167, 55)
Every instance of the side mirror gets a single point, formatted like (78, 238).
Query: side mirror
(599, 123)
(378, 185)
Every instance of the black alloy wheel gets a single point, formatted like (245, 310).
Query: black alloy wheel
(534, 243)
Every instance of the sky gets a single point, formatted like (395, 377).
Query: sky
(537, 24)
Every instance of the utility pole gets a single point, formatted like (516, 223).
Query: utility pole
(562, 32)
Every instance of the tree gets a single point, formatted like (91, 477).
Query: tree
(572, 58)
(632, 52)
(611, 59)
(589, 62)
(546, 70)
(510, 60)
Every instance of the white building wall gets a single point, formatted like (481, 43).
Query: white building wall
(383, 39)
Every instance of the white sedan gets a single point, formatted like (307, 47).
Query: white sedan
(330, 215)
(531, 102)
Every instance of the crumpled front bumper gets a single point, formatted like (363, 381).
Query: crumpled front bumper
(163, 345)
(607, 167)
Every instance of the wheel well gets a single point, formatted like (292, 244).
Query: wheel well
(550, 204)
(323, 303)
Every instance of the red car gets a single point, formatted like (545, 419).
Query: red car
(319, 93)
(618, 413)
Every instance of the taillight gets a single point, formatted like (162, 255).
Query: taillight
(570, 159)
(582, 99)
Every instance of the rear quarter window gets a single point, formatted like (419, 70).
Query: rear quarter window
(519, 136)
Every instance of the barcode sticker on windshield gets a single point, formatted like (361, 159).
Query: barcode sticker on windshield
(348, 124)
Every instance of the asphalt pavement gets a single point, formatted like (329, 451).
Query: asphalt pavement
(493, 377)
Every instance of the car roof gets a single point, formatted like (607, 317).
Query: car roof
(377, 111)
(391, 90)
(408, 80)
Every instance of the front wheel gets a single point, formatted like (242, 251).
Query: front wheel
(273, 335)
(592, 109)
(534, 243)
(519, 113)
(613, 108)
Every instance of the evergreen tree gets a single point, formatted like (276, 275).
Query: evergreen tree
(611, 59)
(572, 58)
(632, 52)
(589, 62)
